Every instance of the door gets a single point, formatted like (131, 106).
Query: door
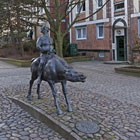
(120, 48)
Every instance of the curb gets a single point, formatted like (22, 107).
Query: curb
(47, 119)
(19, 63)
(116, 62)
(127, 71)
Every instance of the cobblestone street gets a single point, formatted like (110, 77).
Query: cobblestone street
(15, 123)
(94, 98)
(102, 79)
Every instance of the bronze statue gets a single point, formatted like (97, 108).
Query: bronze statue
(44, 45)
(55, 70)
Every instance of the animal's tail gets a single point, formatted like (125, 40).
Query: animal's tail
(74, 76)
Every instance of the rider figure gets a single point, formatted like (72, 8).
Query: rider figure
(45, 46)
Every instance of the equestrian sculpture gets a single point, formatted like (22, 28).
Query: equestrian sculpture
(53, 69)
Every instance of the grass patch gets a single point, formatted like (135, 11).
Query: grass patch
(20, 63)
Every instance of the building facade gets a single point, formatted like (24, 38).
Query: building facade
(64, 22)
(110, 34)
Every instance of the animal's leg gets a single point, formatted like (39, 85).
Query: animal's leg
(40, 71)
(38, 91)
(66, 97)
(29, 96)
(52, 85)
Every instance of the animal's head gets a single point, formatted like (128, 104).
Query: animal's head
(74, 76)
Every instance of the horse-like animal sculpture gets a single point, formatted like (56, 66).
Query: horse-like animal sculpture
(55, 70)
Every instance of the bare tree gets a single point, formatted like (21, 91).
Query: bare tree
(59, 10)
(55, 11)
(12, 14)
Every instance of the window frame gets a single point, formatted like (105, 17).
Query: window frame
(42, 11)
(81, 8)
(82, 33)
(101, 54)
(121, 9)
(97, 30)
(98, 4)
(139, 27)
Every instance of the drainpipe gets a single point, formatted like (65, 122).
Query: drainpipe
(130, 37)
(70, 21)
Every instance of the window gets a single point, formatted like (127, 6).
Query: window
(138, 27)
(100, 31)
(81, 33)
(41, 10)
(101, 54)
(79, 6)
(119, 6)
(99, 3)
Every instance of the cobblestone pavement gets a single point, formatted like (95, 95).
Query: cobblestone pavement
(106, 97)
(15, 123)
(117, 120)
(102, 79)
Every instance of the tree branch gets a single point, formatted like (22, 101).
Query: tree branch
(94, 12)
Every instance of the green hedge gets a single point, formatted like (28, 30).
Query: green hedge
(78, 59)
(27, 63)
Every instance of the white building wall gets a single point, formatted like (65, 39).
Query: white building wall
(87, 9)
(94, 9)
(104, 10)
(136, 6)
(74, 13)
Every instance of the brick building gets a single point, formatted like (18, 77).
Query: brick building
(64, 22)
(110, 34)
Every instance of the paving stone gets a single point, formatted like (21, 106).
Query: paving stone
(24, 133)
(130, 134)
(4, 138)
(137, 134)
(44, 136)
(134, 138)
(16, 135)
(66, 118)
(90, 136)
(14, 138)
(2, 124)
(25, 138)
(33, 135)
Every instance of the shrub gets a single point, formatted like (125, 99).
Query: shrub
(29, 46)
(66, 48)
(6, 45)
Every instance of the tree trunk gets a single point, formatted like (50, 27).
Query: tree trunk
(19, 30)
(35, 33)
(59, 46)
(12, 36)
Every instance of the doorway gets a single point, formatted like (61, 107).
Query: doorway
(120, 48)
